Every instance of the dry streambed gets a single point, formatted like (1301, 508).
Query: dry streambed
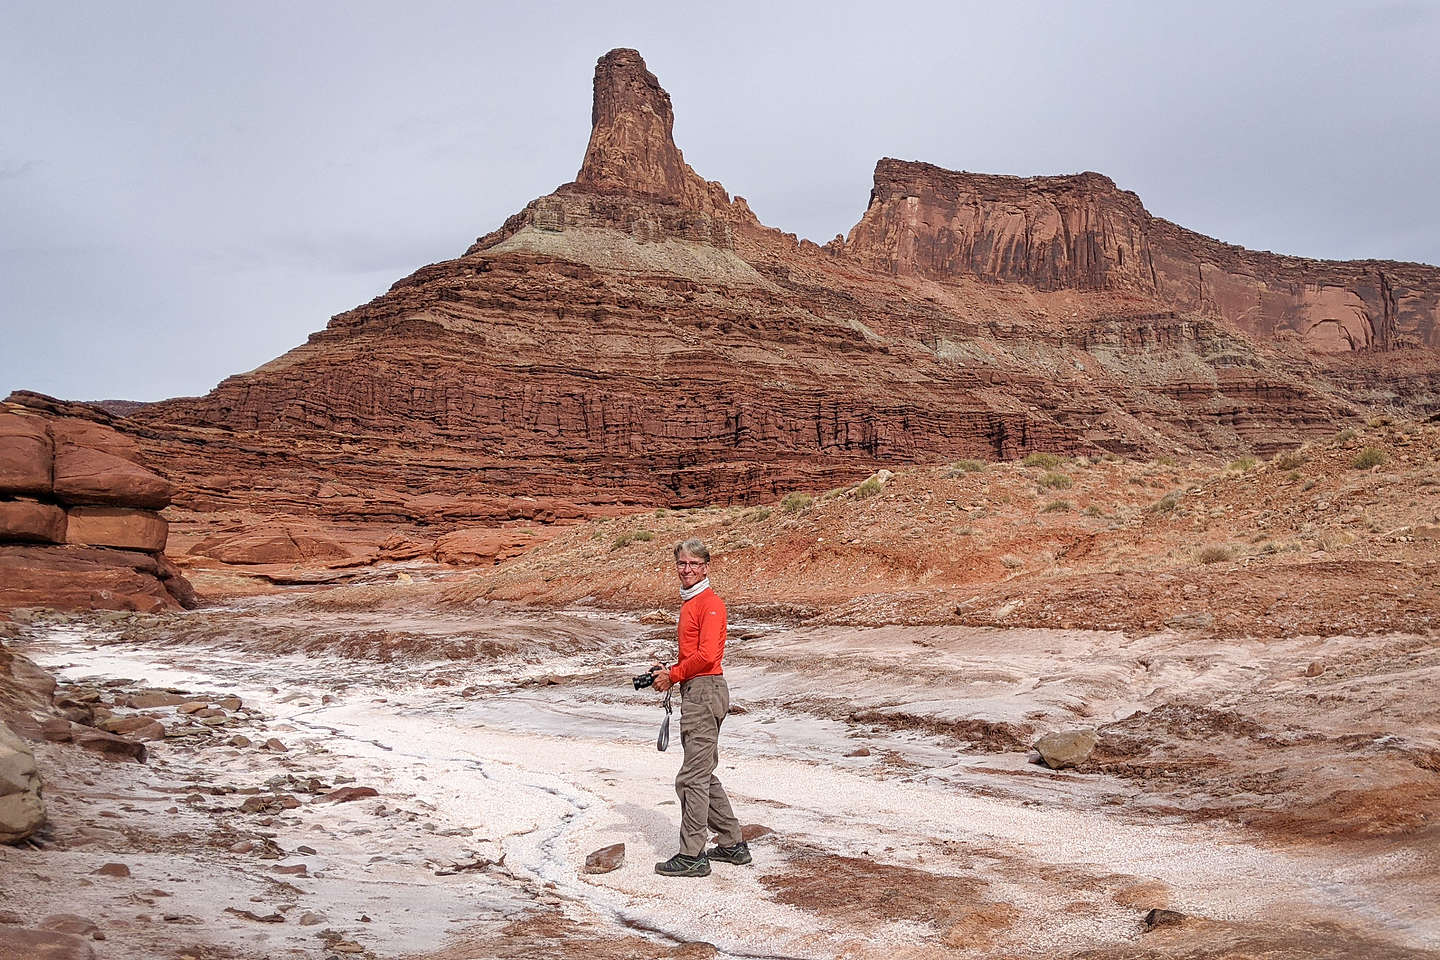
(890, 765)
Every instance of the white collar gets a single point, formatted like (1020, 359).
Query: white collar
(695, 591)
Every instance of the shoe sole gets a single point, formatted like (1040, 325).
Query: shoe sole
(737, 863)
(687, 873)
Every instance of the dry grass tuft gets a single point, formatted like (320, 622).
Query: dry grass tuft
(1216, 553)
(1367, 458)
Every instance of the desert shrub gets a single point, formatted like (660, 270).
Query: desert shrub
(661, 511)
(1094, 511)
(759, 514)
(795, 502)
(1167, 461)
(965, 532)
(1058, 506)
(1215, 553)
(1046, 460)
(1243, 463)
(1345, 435)
(1289, 460)
(1056, 481)
(631, 536)
(1367, 458)
(966, 466)
(869, 487)
(1012, 562)
(1167, 503)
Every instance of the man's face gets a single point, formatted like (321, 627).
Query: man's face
(690, 570)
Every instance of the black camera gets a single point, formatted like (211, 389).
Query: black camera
(644, 680)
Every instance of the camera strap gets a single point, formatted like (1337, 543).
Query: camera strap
(663, 740)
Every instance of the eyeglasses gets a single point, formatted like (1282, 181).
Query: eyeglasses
(691, 564)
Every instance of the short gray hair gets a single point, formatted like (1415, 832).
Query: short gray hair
(695, 547)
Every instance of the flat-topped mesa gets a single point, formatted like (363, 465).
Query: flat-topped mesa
(1048, 232)
(1082, 232)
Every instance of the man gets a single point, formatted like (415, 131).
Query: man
(705, 699)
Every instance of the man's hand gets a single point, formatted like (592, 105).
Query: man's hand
(662, 678)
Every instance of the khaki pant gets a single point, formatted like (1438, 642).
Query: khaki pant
(704, 701)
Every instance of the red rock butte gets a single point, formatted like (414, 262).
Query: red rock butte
(638, 337)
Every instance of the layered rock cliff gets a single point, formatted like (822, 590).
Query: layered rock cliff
(639, 337)
(1081, 232)
(79, 526)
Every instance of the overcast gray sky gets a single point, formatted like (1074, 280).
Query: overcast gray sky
(188, 189)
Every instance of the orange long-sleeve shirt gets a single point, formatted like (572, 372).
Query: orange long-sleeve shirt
(701, 637)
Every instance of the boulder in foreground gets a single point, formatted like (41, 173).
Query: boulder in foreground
(42, 945)
(22, 811)
(1066, 748)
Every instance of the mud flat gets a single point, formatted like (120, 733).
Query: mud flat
(1278, 797)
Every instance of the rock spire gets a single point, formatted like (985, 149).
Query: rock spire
(632, 143)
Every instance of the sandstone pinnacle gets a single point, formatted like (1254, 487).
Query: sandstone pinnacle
(632, 144)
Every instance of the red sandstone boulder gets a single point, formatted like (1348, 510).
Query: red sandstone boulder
(82, 578)
(481, 546)
(86, 475)
(108, 745)
(120, 527)
(73, 431)
(29, 521)
(286, 545)
(26, 455)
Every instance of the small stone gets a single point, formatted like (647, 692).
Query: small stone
(346, 946)
(239, 741)
(155, 698)
(752, 831)
(70, 923)
(1066, 748)
(274, 745)
(347, 794)
(292, 870)
(311, 919)
(113, 870)
(605, 859)
(1315, 668)
(194, 706)
(1163, 918)
(244, 846)
(231, 703)
(859, 752)
(305, 849)
(1198, 620)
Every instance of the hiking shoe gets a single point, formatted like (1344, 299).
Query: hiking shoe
(739, 854)
(683, 866)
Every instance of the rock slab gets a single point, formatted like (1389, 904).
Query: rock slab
(22, 810)
(42, 945)
(1066, 748)
(605, 859)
